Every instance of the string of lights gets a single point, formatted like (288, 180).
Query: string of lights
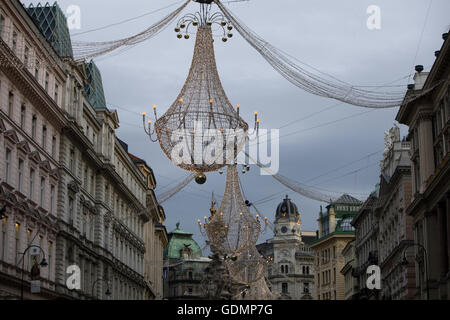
(311, 79)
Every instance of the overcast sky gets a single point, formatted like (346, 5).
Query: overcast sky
(327, 34)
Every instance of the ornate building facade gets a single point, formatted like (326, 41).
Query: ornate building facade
(395, 227)
(335, 231)
(351, 282)
(184, 267)
(68, 184)
(428, 119)
(383, 229)
(31, 121)
(290, 272)
(366, 227)
(155, 236)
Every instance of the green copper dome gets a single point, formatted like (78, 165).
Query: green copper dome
(181, 241)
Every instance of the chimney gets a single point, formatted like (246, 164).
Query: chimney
(420, 77)
(332, 219)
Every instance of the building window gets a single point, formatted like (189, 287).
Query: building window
(17, 243)
(91, 229)
(54, 146)
(92, 184)
(20, 175)
(2, 25)
(71, 210)
(29, 234)
(25, 56)
(106, 238)
(306, 287)
(56, 93)
(85, 177)
(41, 199)
(10, 104)
(14, 41)
(44, 137)
(72, 160)
(284, 287)
(75, 102)
(50, 254)
(52, 198)
(84, 225)
(47, 79)
(4, 237)
(33, 126)
(22, 116)
(36, 70)
(107, 194)
(31, 183)
(7, 164)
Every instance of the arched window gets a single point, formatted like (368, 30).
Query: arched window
(286, 269)
(282, 269)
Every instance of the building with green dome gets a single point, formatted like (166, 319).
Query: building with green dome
(184, 266)
(335, 232)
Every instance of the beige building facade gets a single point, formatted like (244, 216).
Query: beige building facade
(335, 231)
(350, 280)
(155, 236)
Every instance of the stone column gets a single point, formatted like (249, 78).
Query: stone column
(426, 154)
(332, 219)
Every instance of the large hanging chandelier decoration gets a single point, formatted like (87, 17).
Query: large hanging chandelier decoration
(201, 131)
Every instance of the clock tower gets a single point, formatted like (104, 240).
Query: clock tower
(291, 266)
(287, 221)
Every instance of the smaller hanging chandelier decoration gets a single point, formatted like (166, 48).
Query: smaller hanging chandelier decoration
(246, 267)
(258, 291)
(232, 229)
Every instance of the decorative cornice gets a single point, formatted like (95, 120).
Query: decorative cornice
(73, 186)
(11, 135)
(28, 84)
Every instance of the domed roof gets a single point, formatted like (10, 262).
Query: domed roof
(180, 242)
(287, 210)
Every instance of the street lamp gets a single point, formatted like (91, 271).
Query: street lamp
(42, 264)
(405, 262)
(107, 292)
